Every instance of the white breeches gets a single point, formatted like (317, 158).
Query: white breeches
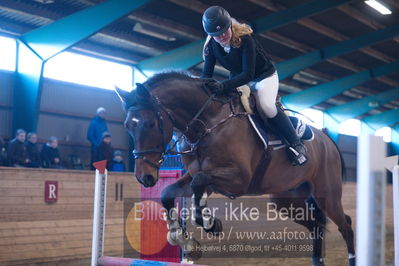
(266, 94)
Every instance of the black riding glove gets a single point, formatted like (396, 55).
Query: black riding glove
(216, 87)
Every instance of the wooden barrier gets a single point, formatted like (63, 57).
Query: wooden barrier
(33, 231)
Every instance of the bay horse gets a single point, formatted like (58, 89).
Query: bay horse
(222, 153)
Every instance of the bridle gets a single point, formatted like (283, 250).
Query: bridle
(161, 150)
(159, 108)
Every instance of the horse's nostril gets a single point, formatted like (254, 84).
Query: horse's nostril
(148, 181)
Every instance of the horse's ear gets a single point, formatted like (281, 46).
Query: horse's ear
(142, 92)
(123, 95)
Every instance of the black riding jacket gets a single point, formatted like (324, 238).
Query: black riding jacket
(247, 63)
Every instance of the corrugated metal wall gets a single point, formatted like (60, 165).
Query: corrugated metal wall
(6, 80)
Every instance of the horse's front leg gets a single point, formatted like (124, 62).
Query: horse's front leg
(176, 234)
(203, 215)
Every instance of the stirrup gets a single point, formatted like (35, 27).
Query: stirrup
(296, 157)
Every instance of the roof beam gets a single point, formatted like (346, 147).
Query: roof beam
(183, 31)
(315, 26)
(362, 106)
(136, 42)
(366, 20)
(60, 35)
(295, 13)
(292, 66)
(317, 94)
(260, 25)
(320, 28)
(39, 45)
(384, 119)
(162, 23)
(179, 58)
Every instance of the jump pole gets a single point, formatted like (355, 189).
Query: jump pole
(370, 209)
(395, 187)
(97, 248)
(392, 164)
(100, 194)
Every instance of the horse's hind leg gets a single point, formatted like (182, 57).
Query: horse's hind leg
(329, 198)
(301, 198)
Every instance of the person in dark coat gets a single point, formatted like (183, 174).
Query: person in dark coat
(32, 150)
(16, 152)
(97, 127)
(117, 162)
(105, 151)
(50, 155)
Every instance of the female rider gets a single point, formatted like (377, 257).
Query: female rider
(233, 46)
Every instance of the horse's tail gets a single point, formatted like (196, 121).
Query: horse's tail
(343, 166)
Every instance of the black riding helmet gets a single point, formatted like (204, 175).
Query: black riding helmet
(216, 20)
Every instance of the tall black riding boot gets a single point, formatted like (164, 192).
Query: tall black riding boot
(296, 150)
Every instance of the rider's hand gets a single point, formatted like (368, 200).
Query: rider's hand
(216, 87)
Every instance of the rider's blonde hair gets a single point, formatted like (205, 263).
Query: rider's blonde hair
(238, 30)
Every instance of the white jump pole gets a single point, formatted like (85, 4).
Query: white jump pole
(395, 187)
(100, 194)
(391, 163)
(370, 215)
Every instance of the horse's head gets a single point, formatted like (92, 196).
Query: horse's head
(151, 130)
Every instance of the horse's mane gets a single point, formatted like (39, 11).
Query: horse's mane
(161, 77)
(135, 99)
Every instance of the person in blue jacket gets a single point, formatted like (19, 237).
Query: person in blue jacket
(117, 163)
(95, 132)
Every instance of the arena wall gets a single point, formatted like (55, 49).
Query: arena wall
(34, 231)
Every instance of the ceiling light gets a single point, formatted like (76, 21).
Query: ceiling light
(45, 1)
(152, 31)
(373, 104)
(379, 7)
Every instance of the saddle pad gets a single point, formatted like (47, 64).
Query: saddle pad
(303, 130)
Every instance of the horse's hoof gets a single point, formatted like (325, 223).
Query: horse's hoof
(352, 262)
(171, 240)
(192, 250)
(217, 227)
(317, 261)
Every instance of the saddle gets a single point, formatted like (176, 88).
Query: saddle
(273, 139)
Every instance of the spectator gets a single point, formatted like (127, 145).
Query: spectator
(117, 163)
(50, 155)
(16, 153)
(32, 150)
(3, 152)
(105, 151)
(97, 127)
